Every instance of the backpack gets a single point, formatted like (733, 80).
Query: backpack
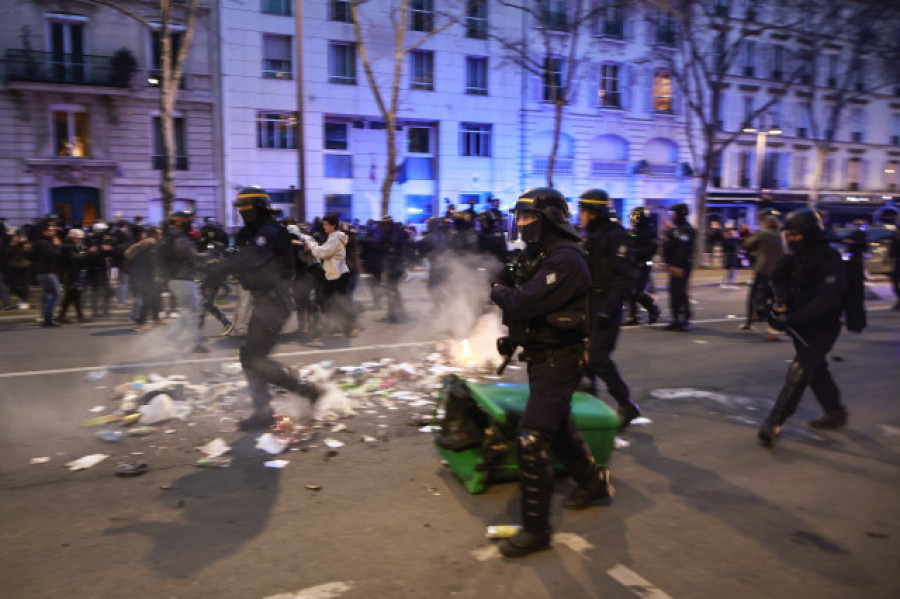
(855, 297)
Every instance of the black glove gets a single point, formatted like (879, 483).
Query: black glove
(506, 276)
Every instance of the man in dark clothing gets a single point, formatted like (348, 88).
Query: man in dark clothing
(97, 267)
(73, 256)
(678, 254)
(264, 264)
(767, 248)
(395, 245)
(491, 239)
(180, 263)
(612, 280)
(545, 308)
(810, 284)
(45, 256)
(894, 254)
(144, 265)
(643, 246)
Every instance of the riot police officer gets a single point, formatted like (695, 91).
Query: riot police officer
(678, 253)
(264, 264)
(612, 280)
(810, 285)
(547, 308)
(643, 247)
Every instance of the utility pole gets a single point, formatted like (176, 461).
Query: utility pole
(300, 194)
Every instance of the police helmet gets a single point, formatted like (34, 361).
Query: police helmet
(639, 217)
(597, 203)
(76, 234)
(680, 210)
(803, 229)
(252, 197)
(549, 206)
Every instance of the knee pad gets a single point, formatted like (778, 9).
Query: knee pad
(795, 373)
(532, 443)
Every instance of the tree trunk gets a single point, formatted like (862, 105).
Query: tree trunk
(390, 173)
(557, 128)
(700, 240)
(166, 106)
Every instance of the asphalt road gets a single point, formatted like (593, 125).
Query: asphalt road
(701, 510)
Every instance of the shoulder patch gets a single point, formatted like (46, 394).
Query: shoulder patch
(551, 278)
(261, 241)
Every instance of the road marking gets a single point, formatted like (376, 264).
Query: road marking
(635, 583)
(229, 358)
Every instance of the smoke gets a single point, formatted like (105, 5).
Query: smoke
(460, 293)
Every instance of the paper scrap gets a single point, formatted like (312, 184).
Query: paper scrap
(42, 460)
(97, 409)
(276, 463)
(270, 444)
(621, 443)
(215, 448)
(86, 462)
(641, 420)
(333, 443)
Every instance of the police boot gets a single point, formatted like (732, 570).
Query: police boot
(768, 433)
(830, 420)
(631, 322)
(524, 543)
(257, 422)
(583, 498)
(627, 411)
(654, 314)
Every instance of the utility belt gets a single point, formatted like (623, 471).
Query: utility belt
(553, 354)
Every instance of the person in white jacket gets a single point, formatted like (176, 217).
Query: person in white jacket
(333, 254)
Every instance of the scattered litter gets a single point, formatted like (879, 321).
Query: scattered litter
(165, 487)
(333, 443)
(368, 439)
(86, 462)
(219, 462)
(313, 487)
(701, 341)
(215, 448)
(339, 428)
(621, 443)
(169, 431)
(140, 431)
(329, 590)
(732, 316)
(131, 419)
(159, 409)
(276, 463)
(134, 469)
(640, 420)
(109, 436)
(270, 444)
(108, 419)
(137, 453)
(38, 460)
(420, 403)
(97, 409)
(502, 532)
(430, 428)
(95, 375)
(889, 431)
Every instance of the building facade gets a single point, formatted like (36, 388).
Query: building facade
(79, 108)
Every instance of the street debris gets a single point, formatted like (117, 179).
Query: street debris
(641, 420)
(313, 487)
(133, 469)
(109, 436)
(42, 460)
(333, 443)
(276, 463)
(215, 448)
(83, 463)
(621, 443)
(270, 444)
(95, 375)
(97, 409)
(219, 462)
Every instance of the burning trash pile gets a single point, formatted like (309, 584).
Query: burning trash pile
(148, 405)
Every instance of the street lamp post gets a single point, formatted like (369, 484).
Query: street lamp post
(761, 150)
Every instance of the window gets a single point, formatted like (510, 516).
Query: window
(803, 122)
(421, 15)
(895, 130)
(70, 129)
(806, 68)
(748, 120)
(276, 130)
(752, 11)
(854, 168)
(610, 86)
(858, 126)
(890, 175)
(276, 7)
(339, 10)
(181, 158)
(341, 205)
(476, 75)
(775, 115)
(156, 54)
(748, 59)
(778, 63)
(476, 19)
(662, 91)
(276, 56)
(744, 169)
(418, 140)
(553, 79)
(474, 139)
(800, 171)
(342, 63)
(339, 166)
(611, 19)
(66, 40)
(665, 29)
(422, 70)
(859, 79)
(832, 70)
(335, 136)
(553, 14)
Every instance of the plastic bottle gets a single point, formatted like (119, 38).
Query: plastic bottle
(502, 532)
(110, 436)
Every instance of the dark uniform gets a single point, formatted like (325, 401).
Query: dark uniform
(894, 254)
(678, 253)
(643, 246)
(545, 312)
(264, 264)
(612, 280)
(810, 285)
(73, 257)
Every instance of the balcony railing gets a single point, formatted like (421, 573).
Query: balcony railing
(562, 166)
(604, 168)
(53, 67)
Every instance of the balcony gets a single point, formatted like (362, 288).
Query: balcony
(563, 166)
(609, 168)
(72, 69)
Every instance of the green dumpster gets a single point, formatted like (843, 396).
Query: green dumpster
(478, 429)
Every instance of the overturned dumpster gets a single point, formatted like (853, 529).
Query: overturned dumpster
(478, 429)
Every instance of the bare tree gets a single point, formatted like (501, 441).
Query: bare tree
(170, 76)
(557, 55)
(366, 27)
(702, 58)
(864, 59)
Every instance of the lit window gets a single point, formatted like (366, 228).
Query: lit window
(662, 91)
(276, 130)
(70, 128)
(277, 56)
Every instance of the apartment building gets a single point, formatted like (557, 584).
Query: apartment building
(472, 121)
(79, 106)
